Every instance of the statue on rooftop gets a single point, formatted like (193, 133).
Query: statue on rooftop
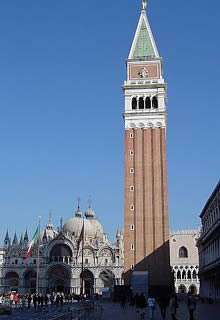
(144, 4)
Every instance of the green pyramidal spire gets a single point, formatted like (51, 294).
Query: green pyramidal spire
(143, 46)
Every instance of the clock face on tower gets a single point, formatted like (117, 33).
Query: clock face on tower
(144, 71)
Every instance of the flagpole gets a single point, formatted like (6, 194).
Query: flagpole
(82, 260)
(38, 259)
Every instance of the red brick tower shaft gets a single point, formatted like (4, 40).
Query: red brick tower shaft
(146, 226)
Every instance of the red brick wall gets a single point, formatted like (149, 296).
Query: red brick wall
(150, 215)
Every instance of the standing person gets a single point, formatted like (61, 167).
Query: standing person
(11, 298)
(23, 301)
(61, 299)
(57, 300)
(151, 305)
(42, 300)
(191, 304)
(46, 300)
(173, 306)
(39, 299)
(29, 300)
(51, 300)
(35, 301)
(16, 299)
(137, 300)
(163, 302)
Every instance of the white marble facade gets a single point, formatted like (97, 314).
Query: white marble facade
(61, 259)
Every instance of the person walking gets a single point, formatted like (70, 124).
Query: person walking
(173, 306)
(137, 300)
(151, 306)
(191, 304)
(163, 302)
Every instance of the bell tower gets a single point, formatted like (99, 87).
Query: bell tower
(146, 226)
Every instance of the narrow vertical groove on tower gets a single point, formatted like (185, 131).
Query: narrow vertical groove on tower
(135, 201)
(162, 185)
(148, 192)
(144, 195)
(153, 198)
(139, 194)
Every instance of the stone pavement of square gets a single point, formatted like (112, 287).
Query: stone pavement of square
(113, 311)
(203, 312)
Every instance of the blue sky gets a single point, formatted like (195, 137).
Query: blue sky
(61, 129)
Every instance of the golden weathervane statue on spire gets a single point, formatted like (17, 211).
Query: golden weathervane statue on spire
(144, 4)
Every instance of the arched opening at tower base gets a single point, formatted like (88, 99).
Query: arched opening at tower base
(88, 282)
(58, 279)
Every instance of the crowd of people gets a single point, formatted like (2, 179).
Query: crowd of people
(165, 303)
(36, 300)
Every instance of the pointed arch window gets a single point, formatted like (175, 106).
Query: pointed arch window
(155, 103)
(134, 103)
(194, 274)
(141, 103)
(189, 275)
(147, 103)
(183, 252)
(184, 274)
(178, 276)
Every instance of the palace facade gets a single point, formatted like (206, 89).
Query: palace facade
(209, 247)
(184, 260)
(61, 259)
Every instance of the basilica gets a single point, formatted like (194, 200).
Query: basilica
(61, 263)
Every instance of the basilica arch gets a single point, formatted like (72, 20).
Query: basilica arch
(107, 279)
(88, 282)
(12, 281)
(58, 277)
(61, 252)
(30, 281)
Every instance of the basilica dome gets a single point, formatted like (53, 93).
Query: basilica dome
(93, 227)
